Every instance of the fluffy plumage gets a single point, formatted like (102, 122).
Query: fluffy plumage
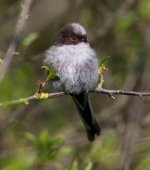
(76, 64)
(78, 29)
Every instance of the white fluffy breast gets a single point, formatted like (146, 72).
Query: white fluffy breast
(76, 65)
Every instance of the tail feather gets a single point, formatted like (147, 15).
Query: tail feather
(87, 115)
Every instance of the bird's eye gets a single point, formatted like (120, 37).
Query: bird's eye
(73, 37)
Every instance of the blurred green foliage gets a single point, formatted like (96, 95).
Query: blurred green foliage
(48, 150)
(46, 147)
(144, 163)
(126, 22)
(144, 9)
(18, 83)
(105, 152)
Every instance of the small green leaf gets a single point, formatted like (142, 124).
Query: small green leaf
(30, 136)
(104, 59)
(1, 61)
(51, 73)
(75, 166)
(46, 68)
(102, 65)
(28, 40)
(89, 166)
(102, 68)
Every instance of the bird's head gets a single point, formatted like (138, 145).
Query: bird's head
(71, 34)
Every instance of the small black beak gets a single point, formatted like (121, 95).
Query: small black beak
(84, 40)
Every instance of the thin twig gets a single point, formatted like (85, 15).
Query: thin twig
(16, 37)
(26, 100)
(30, 98)
(122, 92)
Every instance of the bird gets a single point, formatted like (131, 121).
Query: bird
(77, 66)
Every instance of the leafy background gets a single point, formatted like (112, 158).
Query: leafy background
(48, 134)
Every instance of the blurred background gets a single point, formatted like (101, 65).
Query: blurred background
(48, 134)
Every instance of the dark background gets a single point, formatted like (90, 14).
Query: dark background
(48, 134)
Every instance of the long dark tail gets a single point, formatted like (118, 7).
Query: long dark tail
(87, 115)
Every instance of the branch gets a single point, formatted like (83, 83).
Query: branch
(121, 92)
(16, 37)
(26, 100)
